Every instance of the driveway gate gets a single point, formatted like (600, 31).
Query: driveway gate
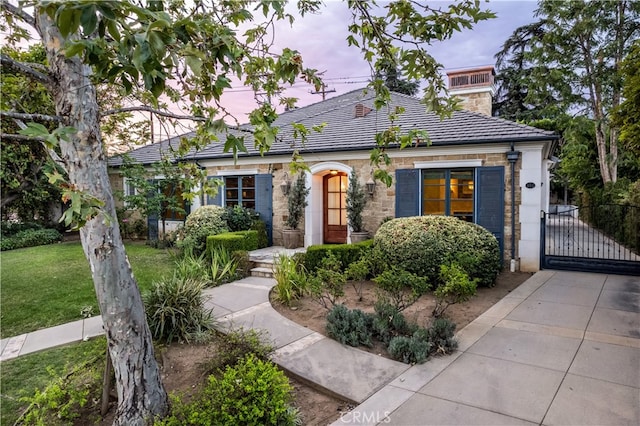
(603, 238)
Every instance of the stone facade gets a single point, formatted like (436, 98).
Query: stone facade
(382, 204)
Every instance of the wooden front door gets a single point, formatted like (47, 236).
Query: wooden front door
(334, 206)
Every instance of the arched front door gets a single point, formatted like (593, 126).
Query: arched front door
(334, 207)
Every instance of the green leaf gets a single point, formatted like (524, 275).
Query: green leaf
(36, 130)
(74, 49)
(89, 19)
(68, 20)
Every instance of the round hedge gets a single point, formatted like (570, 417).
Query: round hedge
(205, 221)
(421, 244)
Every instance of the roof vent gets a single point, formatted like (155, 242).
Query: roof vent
(362, 110)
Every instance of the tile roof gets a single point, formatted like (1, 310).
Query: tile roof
(346, 132)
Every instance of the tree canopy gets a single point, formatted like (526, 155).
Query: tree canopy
(569, 62)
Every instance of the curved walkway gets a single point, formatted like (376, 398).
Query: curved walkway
(563, 348)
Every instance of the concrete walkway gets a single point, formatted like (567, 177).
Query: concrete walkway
(563, 348)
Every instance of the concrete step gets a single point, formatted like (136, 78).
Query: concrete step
(262, 272)
(263, 264)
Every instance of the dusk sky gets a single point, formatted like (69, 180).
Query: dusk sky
(321, 39)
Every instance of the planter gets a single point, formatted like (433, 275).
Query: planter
(292, 238)
(357, 237)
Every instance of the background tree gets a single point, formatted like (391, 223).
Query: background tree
(393, 80)
(627, 116)
(576, 55)
(26, 191)
(200, 46)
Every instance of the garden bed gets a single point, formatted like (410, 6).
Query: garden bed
(307, 312)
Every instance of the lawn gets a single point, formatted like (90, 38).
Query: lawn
(22, 376)
(50, 285)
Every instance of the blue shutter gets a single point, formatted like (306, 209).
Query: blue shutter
(217, 200)
(407, 192)
(264, 202)
(490, 201)
(152, 217)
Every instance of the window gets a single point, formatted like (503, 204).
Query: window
(336, 200)
(448, 192)
(240, 191)
(174, 207)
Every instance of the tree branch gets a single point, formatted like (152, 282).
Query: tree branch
(25, 70)
(17, 137)
(30, 117)
(18, 12)
(153, 110)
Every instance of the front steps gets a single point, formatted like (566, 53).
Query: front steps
(262, 268)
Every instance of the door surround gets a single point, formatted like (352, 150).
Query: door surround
(313, 214)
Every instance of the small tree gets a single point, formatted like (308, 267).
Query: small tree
(356, 201)
(297, 201)
(159, 197)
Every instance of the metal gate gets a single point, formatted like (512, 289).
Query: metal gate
(603, 238)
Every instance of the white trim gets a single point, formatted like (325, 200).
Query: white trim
(313, 213)
(446, 164)
(471, 90)
(429, 151)
(237, 172)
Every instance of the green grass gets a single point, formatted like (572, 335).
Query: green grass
(49, 285)
(23, 375)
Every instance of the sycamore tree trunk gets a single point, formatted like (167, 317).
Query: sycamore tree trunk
(141, 395)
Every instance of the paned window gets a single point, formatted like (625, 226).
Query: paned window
(240, 191)
(448, 192)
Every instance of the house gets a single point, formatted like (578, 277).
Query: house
(479, 168)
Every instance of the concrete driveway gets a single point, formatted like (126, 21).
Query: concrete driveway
(561, 349)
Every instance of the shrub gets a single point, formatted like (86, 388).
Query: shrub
(357, 272)
(192, 267)
(349, 327)
(10, 228)
(327, 286)
(253, 392)
(243, 262)
(31, 238)
(239, 218)
(297, 201)
(62, 400)
(205, 221)
(356, 200)
(410, 350)
(238, 344)
(421, 244)
(224, 267)
(175, 310)
(291, 279)
(261, 228)
(389, 322)
(400, 287)
(345, 253)
(441, 335)
(457, 288)
(233, 241)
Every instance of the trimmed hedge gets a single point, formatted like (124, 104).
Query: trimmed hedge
(420, 244)
(30, 238)
(233, 241)
(345, 253)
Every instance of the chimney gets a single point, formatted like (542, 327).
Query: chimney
(474, 87)
(362, 110)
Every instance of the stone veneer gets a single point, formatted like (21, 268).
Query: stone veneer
(382, 204)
